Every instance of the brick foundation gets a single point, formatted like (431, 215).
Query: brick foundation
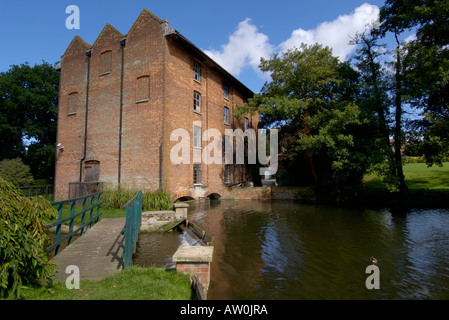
(195, 260)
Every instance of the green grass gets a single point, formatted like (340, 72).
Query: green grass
(418, 177)
(105, 213)
(135, 283)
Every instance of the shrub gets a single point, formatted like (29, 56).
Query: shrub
(23, 236)
(151, 201)
(16, 172)
(156, 201)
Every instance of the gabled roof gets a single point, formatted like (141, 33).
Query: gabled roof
(145, 12)
(77, 43)
(173, 34)
(107, 28)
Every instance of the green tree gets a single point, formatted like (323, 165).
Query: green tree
(16, 172)
(28, 114)
(375, 101)
(425, 65)
(310, 96)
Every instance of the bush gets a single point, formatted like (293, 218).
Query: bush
(151, 201)
(16, 172)
(23, 236)
(156, 201)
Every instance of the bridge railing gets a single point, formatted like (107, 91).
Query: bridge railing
(132, 227)
(90, 203)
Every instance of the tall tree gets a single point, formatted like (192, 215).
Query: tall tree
(28, 112)
(426, 65)
(375, 101)
(311, 96)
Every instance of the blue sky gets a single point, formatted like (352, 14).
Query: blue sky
(234, 33)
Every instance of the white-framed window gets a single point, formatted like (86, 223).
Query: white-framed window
(196, 136)
(196, 71)
(196, 101)
(197, 173)
(226, 91)
(246, 124)
(226, 115)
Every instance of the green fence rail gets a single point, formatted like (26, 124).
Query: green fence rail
(132, 227)
(89, 204)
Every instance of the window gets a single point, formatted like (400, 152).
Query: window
(246, 124)
(226, 115)
(197, 137)
(228, 149)
(72, 103)
(196, 101)
(227, 174)
(92, 171)
(196, 71)
(105, 62)
(197, 173)
(143, 89)
(226, 91)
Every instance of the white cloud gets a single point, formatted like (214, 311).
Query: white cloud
(246, 46)
(335, 34)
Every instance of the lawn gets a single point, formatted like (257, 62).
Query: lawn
(135, 283)
(418, 177)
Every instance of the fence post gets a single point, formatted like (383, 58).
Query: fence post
(58, 229)
(72, 213)
(82, 216)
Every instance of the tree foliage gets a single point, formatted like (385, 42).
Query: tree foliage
(28, 112)
(23, 236)
(311, 96)
(16, 172)
(425, 66)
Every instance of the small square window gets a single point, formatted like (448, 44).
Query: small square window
(196, 71)
(226, 115)
(197, 173)
(196, 101)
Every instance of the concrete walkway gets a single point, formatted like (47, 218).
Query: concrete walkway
(96, 253)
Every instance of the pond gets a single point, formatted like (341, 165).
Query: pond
(281, 249)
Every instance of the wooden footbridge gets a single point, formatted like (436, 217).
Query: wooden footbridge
(103, 247)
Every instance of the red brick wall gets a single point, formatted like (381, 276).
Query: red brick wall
(147, 123)
(199, 269)
(73, 78)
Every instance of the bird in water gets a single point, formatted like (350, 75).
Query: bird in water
(373, 260)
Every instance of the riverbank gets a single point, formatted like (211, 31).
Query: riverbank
(134, 283)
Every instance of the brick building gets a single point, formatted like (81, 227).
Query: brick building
(121, 98)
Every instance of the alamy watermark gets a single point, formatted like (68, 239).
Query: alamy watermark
(73, 20)
(373, 281)
(73, 280)
(253, 148)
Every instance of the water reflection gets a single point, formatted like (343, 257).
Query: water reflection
(285, 250)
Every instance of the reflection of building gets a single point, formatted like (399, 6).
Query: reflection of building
(121, 98)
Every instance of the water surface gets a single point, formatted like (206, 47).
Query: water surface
(280, 249)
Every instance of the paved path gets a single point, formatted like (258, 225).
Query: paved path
(97, 253)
